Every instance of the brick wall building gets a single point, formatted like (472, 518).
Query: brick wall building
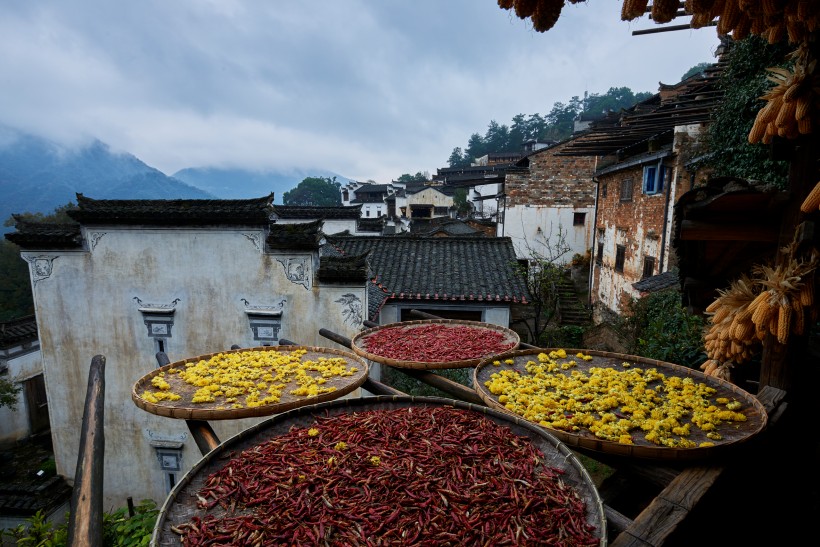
(548, 196)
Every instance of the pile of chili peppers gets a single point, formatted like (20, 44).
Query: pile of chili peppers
(436, 342)
(422, 475)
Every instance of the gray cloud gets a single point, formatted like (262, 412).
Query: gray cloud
(370, 89)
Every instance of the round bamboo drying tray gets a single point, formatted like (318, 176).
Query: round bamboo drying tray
(219, 409)
(181, 505)
(359, 343)
(733, 433)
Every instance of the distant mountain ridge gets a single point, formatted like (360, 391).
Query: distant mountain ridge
(233, 183)
(38, 175)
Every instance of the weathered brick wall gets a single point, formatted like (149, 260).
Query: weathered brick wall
(553, 181)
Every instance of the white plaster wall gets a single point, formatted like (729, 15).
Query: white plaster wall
(330, 226)
(430, 196)
(373, 210)
(522, 224)
(496, 315)
(86, 306)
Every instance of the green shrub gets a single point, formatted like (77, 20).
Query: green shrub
(397, 379)
(659, 327)
(119, 530)
(563, 336)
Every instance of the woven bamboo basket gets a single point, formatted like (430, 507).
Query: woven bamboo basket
(359, 343)
(219, 409)
(180, 506)
(733, 433)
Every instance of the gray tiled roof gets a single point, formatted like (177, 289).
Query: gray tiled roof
(443, 226)
(302, 235)
(173, 212)
(32, 235)
(22, 329)
(477, 269)
(343, 268)
(658, 282)
(300, 212)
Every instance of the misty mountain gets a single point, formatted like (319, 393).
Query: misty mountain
(37, 175)
(246, 183)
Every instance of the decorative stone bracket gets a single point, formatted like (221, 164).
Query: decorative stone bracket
(159, 318)
(265, 321)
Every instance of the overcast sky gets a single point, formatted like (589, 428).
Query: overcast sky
(368, 89)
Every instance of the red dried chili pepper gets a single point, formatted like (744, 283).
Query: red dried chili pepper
(444, 476)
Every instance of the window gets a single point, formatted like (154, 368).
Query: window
(603, 190)
(439, 211)
(620, 257)
(653, 176)
(648, 266)
(599, 254)
(578, 219)
(626, 190)
(367, 212)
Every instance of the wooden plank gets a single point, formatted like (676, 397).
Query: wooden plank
(616, 521)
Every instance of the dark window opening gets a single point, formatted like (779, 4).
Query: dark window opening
(653, 176)
(439, 211)
(464, 315)
(603, 190)
(626, 190)
(620, 258)
(578, 219)
(599, 254)
(648, 266)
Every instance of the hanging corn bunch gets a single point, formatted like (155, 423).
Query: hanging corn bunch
(812, 201)
(793, 106)
(775, 300)
(789, 290)
(730, 338)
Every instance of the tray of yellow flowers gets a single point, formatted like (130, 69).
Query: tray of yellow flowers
(621, 404)
(249, 382)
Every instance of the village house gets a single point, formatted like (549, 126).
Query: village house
(645, 157)
(370, 196)
(184, 277)
(193, 277)
(548, 204)
(22, 367)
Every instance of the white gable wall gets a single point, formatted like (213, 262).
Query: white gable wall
(86, 306)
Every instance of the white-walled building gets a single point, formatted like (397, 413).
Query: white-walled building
(185, 277)
(21, 365)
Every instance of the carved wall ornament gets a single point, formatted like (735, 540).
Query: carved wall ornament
(351, 309)
(297, 270)
(41, 267)
(94, 238)
(255, 238)
(158, 318)
(265, 321)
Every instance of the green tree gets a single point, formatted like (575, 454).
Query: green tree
(16, 299)
(8, 394)
(315, 192)
(476, 147)
(458, 159)
(614, 100)
(542, 275)
(698, 68)
(743, 82)
(460, 202)
(418, 177)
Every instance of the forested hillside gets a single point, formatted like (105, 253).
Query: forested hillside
(554, 126)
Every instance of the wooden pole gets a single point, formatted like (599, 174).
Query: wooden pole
(85, 525)
(783, 365)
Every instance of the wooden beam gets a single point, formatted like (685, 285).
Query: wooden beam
(697, 230)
